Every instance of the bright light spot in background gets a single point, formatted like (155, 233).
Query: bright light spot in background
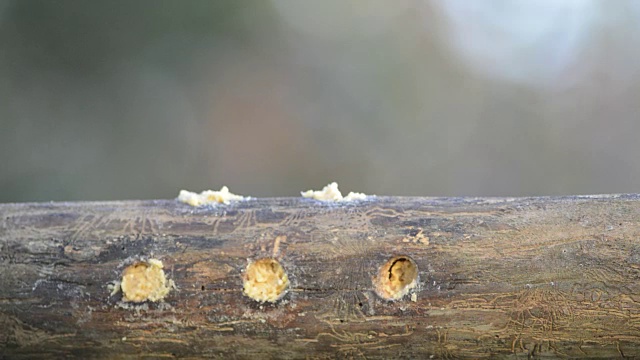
(520, 41)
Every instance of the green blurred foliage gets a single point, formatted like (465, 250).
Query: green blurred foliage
(138, 99)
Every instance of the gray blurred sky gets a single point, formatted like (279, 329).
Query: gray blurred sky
(138, 99)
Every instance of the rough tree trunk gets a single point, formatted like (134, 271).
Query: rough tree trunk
(540, 277)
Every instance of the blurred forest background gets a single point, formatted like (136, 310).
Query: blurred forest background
(104, 100)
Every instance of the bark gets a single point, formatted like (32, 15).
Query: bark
(498, 278)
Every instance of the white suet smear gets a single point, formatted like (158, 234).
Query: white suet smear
(332, 193)
(224, 196)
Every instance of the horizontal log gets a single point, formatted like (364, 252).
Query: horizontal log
(388, 277)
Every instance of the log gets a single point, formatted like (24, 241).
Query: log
(494, 278)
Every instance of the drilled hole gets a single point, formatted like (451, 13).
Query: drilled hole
(396, 278)
(144, 281)
(265, 280)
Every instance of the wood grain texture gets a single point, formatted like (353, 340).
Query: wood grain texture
(499, 278)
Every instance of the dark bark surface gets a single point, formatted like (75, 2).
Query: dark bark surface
(500, 278)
